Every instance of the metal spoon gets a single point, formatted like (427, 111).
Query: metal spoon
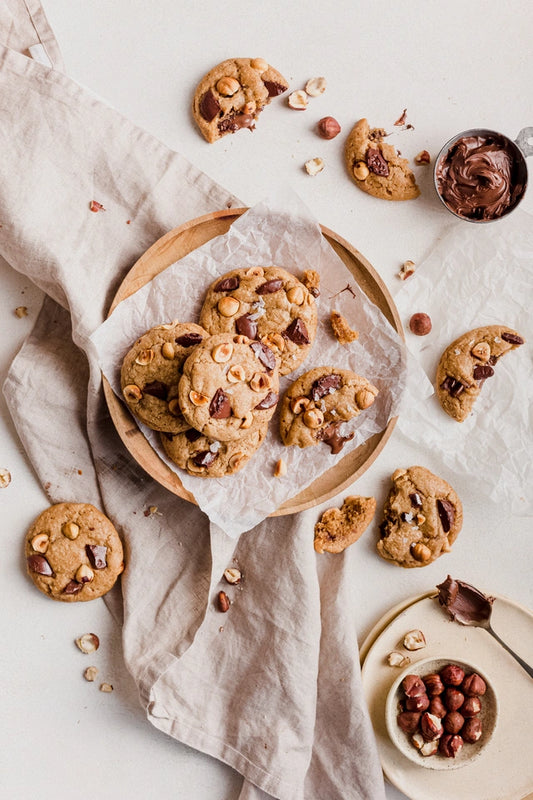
(468, 606)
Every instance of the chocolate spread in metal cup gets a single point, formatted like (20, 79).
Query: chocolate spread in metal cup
(480, 175)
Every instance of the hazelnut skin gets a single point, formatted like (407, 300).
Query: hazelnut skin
(474, 685)
(452, 675)
(453, 699)
(328, 128)
(420, 324)
(437, 707)
(434, 685)
(418, 703)
(408, 720)
(472, 730)
(413, 686)
(450, 745)
(453, 722)
(471, 707)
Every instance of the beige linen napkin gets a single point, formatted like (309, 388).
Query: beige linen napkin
(272, 687)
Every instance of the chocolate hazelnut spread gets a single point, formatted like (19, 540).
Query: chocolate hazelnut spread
(478, 177)
(463, 602)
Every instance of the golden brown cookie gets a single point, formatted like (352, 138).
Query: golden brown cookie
(338, 528)
(151, 372)
(318, 402)
(422, 518)
(467, 363)
(376, 167)
(264, 303)
(73, 552)
(232, 95)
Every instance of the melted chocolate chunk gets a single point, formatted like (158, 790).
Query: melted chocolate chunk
(40, 565)
(376, 163)
(269, 287)
(156, 389)
(453, 386)
(264, 354)
(267, 402)
(415, 499)
(246, 327)
(96, 553)
(204, 458)
(236, 122)
(492, 360)
(73, 587)
(327, 384)
(331, 436)
(227, 284)
(274, 89)
(482, 372)
(446, 514)
(220, 406)
(209, 106)
(297, 332)
(192, 435)
(189, 339)
(512, 338)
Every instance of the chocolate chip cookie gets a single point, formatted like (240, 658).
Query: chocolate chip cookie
(338, 528)
(232, 95)
(467, 363)
(318, 402)
(229, 386)
(375, 165)
(267, 304)
(422, 518)
(73, 552)
(208, 458)
(151, 372)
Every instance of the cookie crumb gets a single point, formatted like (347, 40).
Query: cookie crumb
(314, 166)
(341, 330)
(90, 674)
(338, 528)
(21, 311)
(106, 687)
(423, 157)
(88, 643)
(95, 206)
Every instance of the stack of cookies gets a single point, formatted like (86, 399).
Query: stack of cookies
(211, 388)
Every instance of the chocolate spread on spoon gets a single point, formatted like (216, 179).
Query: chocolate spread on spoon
(464, 603)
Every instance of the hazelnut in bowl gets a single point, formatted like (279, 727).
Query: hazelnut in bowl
(441, 712)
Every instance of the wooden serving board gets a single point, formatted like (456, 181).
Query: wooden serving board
(175, 245)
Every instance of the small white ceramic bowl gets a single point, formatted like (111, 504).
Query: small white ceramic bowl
(402, 740)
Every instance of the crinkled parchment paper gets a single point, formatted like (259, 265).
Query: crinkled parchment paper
(280, 232)
(479, 275)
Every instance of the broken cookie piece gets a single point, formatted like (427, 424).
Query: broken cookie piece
(231, 96)
(338, 528)
(341, 330)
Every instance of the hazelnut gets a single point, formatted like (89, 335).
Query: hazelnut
(88, 643)
(450, 744)
(259, 64)
(236, 461)
(275, 340)
(406, 270)
(298, 100)
(418, 703)
(227, 86)
(472, 730)
(299, 404)
(222, 352)
(132, 393)
(232, 575)
(240, 339)
(198, 399)
(167, 351)
(21, 311)
(5, 478)
(413, 686)
(106, 687)
(247, 421)
(423, 157)
(70, 530)
(430, 726)
(328, 128)
(471, 707)
(414, 640)
(364, 398)
(249, 108)
(255, 272)
(228, 306)
(236, 373)
(259, 382)
(430, 748)
(314, 166)
(223, 602)
(296, 295)
(361, 171)
(437, 707)
(481, 350)
(313, 418)
(474, 685)
(84, 574)
(90, 673)
(280, 468)
(453, 699)
(453, 722)
(452, 675)
(145, 357)
(315, 86)
(420, 552)
(418, 740)
(40, 542)
(434, 685)
(396, 659)
(420, 324)
(408, 721)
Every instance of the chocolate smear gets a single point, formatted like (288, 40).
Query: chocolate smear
(512, 338)
(220, 406)
(376, 163)
(264, 354)
(267, 402)
(236, 123)
(204, 458)
(464, 603)
(297, 332)
(209, 106)
(446, 514)
(40, 565)
(246, 327)
(331, 436)
(96, 553)
(189, 339)
(227, 284)
(269, 287)
(327, 384)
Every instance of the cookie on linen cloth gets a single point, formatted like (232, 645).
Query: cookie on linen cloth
(338, 528)
(375, 165)
(467, 363)
(73, 552)
(151, 372)
(265, 303)
(232, 95)
(229, 387)
(207, 458)
(318, 402)
(422, 518)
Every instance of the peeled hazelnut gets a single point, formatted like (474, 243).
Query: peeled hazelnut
(88, 643)
(167, 351)
(232, 575)
(280, 469)
(259, 64)
(90, 673)
(236, 373)
(430, 726)
(145, 357)
(299, 404)
(418, 741)
(450, 745)
(313, 418)
(298, 100)
(423, 157)
(249, 108)
(222, 352)
(84, 574)
(418, 703)
(227, 86)
(471, 707)
(328, 128)
(296, 295)
(413, 685)
(228, 306)
(453, 699)
(430, 748)
(314, 166)
(198, 399)
(406, 270)
(481, 350)
(106, 687)
(223, 602)
(420, 552)
(364, 398)
(472, 730)
(70, 530)
(236, 460)
(361, 171)
(275, 341)
(40, 542)
(434, 685)
(396, 659)
(21, 311)
(241, 339)
(408, 721)
(247, 421)
(452, 675)
(474, 685)
(255, 272)
(5, 478)
(437, 707)
(414, 640)
(132, 393)
(259, 382)
(315, 87)
(453, 722)
(420, 324)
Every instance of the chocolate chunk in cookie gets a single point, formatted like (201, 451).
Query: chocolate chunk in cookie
(422, 518)
(338, 528)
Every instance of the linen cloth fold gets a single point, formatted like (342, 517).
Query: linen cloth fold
(272, 688)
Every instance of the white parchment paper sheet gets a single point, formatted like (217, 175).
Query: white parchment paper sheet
(479, 275)
(278, 231)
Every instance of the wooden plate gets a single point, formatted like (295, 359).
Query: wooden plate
(178, 243)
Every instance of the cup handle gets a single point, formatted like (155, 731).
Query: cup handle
(522, 141)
